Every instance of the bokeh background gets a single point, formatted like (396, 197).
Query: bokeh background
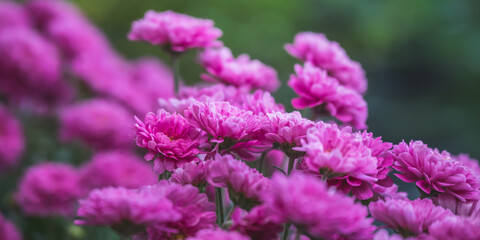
(422, 58)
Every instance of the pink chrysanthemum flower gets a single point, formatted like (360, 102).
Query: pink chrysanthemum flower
(194, 173)
(209, 234)
(100, 124)
(455, 228)
(468, 208)
(472, 163)
(244, 184)
(224, 123)
(7, 229)
(171, 137)
(335, 152)
(11, 140)
(382, 192)
(196, 212)
(261, 102)
(258, 224)
(241, 71)
(117, 169)
(408, 218)
(306, 202)
(286, 130)
(435, 172)
(13, 15)
(315, 48)
(177, 32)
(49, 189)
(127, 211)
(323, 93)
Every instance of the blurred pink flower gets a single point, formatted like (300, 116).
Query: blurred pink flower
(323, 93)
(98, 123)
(117, 169)
(455, 228)
(224, 123)
(12, 142)
(127, 211)
(260, 102)
(13, 15)
(171, 137)
(306, 202)
(210, 234)
(382, 234)
(259, 223)
(468, 208)
(241, 71)
(472, 163)
(435, 172)
(49, 189)
(315, 48)
(193, 173)
(408, 218)
(177, 32)
(7, 230)
(244, 184)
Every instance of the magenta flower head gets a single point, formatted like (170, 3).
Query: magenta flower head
(472, 163)
(117, 169)
(321, 92)
(315, 48)
(194, 173)
(241, 71)
(259, 224)
(319, 212)
(244, 184)
(170, 140)
(100, 124)
(12, 142)
(177, 32)
(13, 15)
(334, 152)
(49, 189)
(196, 213)
(260, 102)
(287, 130)
(435, 172)
(127, 211)
(408, 218)
(468, 208)
(8, 230)
(224, 123)
(209, 234)
(455, 228)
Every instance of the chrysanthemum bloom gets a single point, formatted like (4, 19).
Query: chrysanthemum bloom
(287, 130)
(209, 234)
(244, 184)
(468, 208)
(196, 211)
(117, 169)
(321, 92)
(306, 202)
(259, 223)
(260, 102)
(170, 139)
(177, 32)
(100, 124)
(382, 192)
(241, 71)
(455, 228)
(469, 162)
(194, 173)
(11, 140)
(408, 218)
(315, 48)
(13, 15)
(49, 189)
(8, 230)
(435, 172)
(127, 211)
(224, 123)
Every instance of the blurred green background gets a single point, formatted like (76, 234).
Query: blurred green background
(422, 57)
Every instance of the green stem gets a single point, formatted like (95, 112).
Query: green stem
(291, 162)
(176, 71)
(285, 231)
(219, 203)
(229, 215)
